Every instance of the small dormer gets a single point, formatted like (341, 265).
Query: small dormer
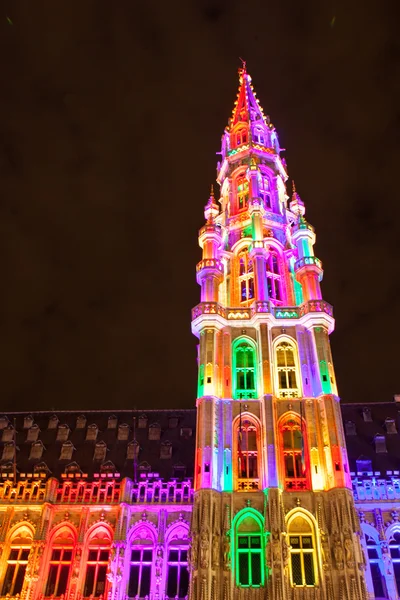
(62, 433)
(142, 422)
(73, 467)
(33, 433)
(81, 422)
(67, 450)
(36, 452)
(390, 425)
(28, 421)
(108, 467)
(92, 431)
(123, 432)
(380, 444)
(154, 431)
(350, 428)
(53, 422)
(8, 434)
(166, 450)
(366, 413)
(132, 450)
(8, 451)
(4, 422)
(173, 422)
(100, 451)
(112, 422)
(364, 465)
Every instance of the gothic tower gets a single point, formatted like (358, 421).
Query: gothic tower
(273, 513)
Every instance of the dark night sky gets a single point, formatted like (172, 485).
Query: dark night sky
(111, 114)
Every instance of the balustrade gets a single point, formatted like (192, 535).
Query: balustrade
(307, 260)
(376, 489)
(162, 493)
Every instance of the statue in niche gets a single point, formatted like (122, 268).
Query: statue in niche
(159, 561)
(215, 550)
(227, 553)
(325, 550)
(276, 549)
(338, 553)
(192, 554)
(204, 544)
(348, 546)
(285, 552)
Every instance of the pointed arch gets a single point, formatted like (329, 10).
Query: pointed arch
(244, 359)
(286, 367)
(97, 556)
(247, 452)
(294, 456)
(61, 551)
(303, 544)
(248, 548)
(375, 572)
(18, 547)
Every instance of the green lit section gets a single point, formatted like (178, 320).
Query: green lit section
(244, 369)
(248, 548)
(200, 386)
(325, 379)
(298, 290)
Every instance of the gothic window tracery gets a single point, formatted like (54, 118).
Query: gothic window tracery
(242, 190)
(141, 562)
(246, 277)
(98, 555)
(60, 562)
(373, 552)
(244, 355)
(241, 137)
(17, 561)
(302, 552)
(246, 440)
(394, 548)
(264, 191)
(249, 544)
(293, 454)
(177, 574)
(286, 367)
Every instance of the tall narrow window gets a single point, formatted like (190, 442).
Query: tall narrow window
(178, 575)
(242, 192)
(96, 571)
(274, 278)
(374, 565)
(249, 553)
(140, 571)
(245, 373)
(247, 455)
(286, 371)
(246, 277)
(60, 564)
(394, 547)
(241, 137)
(17, 561)
(302, 553)
(293, 451)
(264, 192)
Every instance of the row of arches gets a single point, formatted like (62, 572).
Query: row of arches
(249, 541)
(383, 560)
(285, 364)
(292, 449)
(273, 274)
(65, 563)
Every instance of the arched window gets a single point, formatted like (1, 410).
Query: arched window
(241, 137)
(293, 455)
(17, 562)
(374, 560)
(258, 136)
(274, 282)
(264, 191)
(246, 277)
(302, 552)
(98, 555)
(245, 370)
(242, 186)
(141, 564)
(286, 371)
(249, 544)
(394, 547)
(247, 455)
(60, 563)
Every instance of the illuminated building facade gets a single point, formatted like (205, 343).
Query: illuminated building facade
(249, 496)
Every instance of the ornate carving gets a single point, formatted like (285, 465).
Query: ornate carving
(227, 553)
(215, 551)
(339, 556)
(204, 547)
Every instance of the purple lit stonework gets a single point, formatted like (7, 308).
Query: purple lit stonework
(250, 495)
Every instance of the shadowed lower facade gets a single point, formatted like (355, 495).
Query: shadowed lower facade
(252, 494)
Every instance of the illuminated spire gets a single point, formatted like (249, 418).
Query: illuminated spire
(296, 205)
(247, 107)
(211, 209)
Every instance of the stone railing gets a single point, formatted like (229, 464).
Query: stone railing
(210, 263)
(248, 485)
(159, 492)
(85, 492)
(23, 492)
(307, 260)
(376, 488)
(262, 307)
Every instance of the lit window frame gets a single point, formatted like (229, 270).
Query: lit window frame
(246, 280)
(287, 392)
(302, 551)
(181, 565)
(17, 563)
(247, 392)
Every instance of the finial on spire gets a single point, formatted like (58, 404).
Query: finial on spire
(212, 191)
(242, 70)
(297, 204)
(293, 186)
(211, 209)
